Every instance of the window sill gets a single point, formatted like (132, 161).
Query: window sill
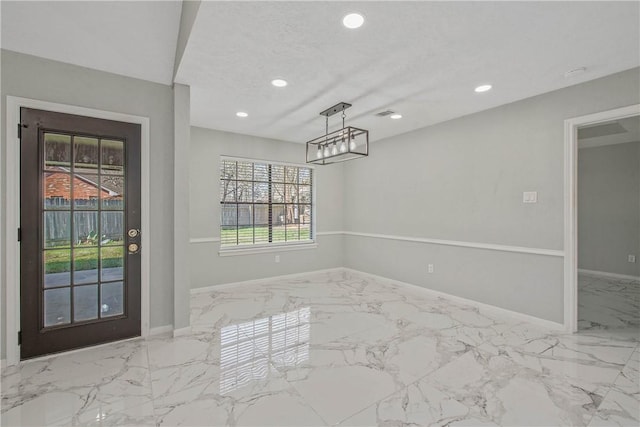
(267, 249)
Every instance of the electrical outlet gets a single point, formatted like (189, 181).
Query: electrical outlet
(430, 268)
(632, 258)
(277, 258)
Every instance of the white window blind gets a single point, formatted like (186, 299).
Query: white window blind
(264, 203)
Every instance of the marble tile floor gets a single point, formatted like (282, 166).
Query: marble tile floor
(608, 304)
(336, 348)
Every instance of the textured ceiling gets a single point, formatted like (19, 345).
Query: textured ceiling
(135, 39)
(421, 59)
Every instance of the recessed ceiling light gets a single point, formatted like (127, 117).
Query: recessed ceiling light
(241, 114)
(575, 72)
(279, 82)
(483, 88)
(395, 116)
(353, 20)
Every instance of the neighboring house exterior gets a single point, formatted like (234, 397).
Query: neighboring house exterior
(57, 188)
(61, 186)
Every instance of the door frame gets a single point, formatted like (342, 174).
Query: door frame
(12, 221)
(571, 204)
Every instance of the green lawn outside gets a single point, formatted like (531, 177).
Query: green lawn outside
(85, 258)
(280, 234)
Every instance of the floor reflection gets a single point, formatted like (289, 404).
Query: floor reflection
(608, 304)
(250, 350)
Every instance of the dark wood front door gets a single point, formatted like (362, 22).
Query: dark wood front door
(79, 227)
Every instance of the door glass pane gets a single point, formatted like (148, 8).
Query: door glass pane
(112, 157)
(111, 226)
(57, 229)
(85, 228)
(57, 151)
(57, 190)
(85, 265)
(85, 303)
(112, 262)
(57, 306)
(112, 192)
(57, 267)
(111, 299)
(85, 191)
(85, 154)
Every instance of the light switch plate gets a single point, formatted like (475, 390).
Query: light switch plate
(530, 197)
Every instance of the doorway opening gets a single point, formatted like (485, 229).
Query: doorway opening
(602, 222)
(609, 226)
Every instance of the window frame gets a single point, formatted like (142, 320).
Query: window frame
(251, 248)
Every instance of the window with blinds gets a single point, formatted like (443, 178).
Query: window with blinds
(264, 203)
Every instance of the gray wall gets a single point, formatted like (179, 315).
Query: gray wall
(609, 208)
(181, 159)
(463, 180)
(37, 78)
(207, 267)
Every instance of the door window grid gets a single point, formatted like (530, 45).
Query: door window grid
(80, 261)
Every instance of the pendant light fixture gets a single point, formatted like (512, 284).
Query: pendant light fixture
(343, 144)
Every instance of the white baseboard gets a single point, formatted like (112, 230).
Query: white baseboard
(607, 274)
(182, 331)
(488, 308)
(159, 330)
(226, 286)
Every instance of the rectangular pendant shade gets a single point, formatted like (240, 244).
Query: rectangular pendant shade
(338, 146)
